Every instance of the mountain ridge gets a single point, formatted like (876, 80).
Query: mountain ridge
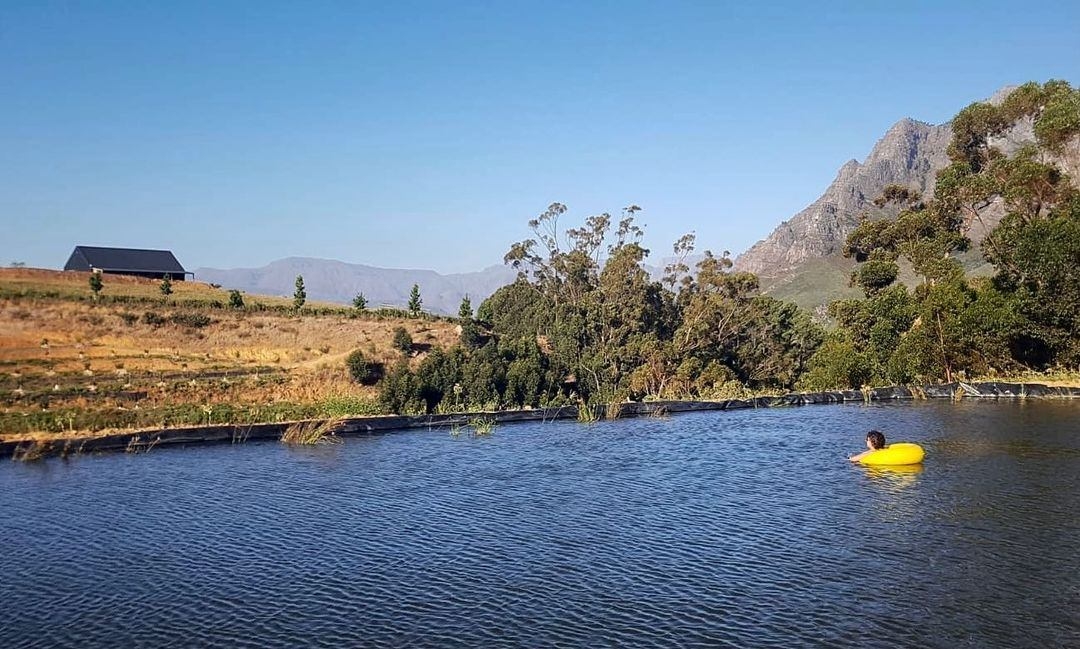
(910, 153)
(338, 281)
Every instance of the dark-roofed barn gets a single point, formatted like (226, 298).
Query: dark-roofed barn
(153, 264)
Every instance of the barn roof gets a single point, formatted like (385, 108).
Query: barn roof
(130, 259)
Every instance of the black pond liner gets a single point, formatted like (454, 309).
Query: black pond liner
(144, 440)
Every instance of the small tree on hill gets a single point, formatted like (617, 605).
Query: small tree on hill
(402, 340)
(236, 299)
(299, 295)
(166, 286)
(465, 310)
(96, 284)
(360, 302)
(415, 303)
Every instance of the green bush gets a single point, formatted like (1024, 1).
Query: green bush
(96, 284)
(875, 275)
(837, 365)
(362, 370)
(471, 335)
(403, 342)
(400, 391)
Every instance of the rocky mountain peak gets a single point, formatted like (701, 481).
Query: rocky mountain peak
(910, 153)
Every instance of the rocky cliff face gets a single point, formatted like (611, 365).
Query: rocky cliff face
(910, 154)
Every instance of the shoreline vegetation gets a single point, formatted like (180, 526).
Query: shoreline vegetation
(311, 432)
(586, 327)
(73, 368)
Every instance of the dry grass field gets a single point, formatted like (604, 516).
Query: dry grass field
(70, 365)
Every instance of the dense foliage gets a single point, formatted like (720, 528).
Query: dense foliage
(585, 322)
(1026, 316)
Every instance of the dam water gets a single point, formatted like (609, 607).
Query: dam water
(743, 529)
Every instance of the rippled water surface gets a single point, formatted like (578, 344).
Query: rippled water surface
(741, 529)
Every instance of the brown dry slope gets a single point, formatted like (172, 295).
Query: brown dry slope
(136, 359)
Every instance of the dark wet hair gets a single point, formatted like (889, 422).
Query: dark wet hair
(877, 439)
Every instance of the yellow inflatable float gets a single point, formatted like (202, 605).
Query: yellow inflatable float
(896, 454)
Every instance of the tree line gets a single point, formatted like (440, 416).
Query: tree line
(585, 323)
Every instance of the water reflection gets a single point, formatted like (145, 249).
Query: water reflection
(903, 474)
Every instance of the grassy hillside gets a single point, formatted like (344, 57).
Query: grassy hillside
(69, 364)
(819, 282)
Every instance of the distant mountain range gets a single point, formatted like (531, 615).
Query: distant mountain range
(337, 281)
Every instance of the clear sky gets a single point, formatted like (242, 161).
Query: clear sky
(425, 135)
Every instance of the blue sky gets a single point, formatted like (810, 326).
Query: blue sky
(425, 135)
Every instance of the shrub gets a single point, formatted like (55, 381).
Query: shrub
(310, 433)
(837, 365)
(153, 319)
(236, 299)
(402, 340)
(362, 370)
(400, 391)
(471, 335)
(96, 284)
(129, 318)
(193, 320)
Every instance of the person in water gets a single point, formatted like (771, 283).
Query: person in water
(875, 441)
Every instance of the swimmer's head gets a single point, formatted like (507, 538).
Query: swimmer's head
(875, 440)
